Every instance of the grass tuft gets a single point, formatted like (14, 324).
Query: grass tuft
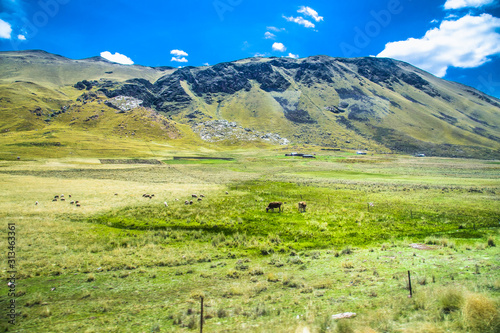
(481, 314)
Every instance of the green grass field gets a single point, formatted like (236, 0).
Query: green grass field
(122, 262)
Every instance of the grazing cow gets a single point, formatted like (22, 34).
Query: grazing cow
(200, 199)
(274, 204)
(36, 203)
(190, 202)
(227, 192)
(186, 202)
(302, 206)
(194, 195)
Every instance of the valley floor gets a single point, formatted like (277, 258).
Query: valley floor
(120, 261)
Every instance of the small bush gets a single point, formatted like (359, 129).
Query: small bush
(491, 242)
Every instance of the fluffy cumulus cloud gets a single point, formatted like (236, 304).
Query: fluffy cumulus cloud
(464, 43)
(308, 11)
(279, 47)
(457, 4)
(21, 37)
(5, 29)
(269, 35)
(300, 20)
(293, 56)
(179, 53)
(179, 59)
(179, 56)
(117, 57)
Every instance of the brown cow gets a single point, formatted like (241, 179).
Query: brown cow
(302, 206)
(274, 204)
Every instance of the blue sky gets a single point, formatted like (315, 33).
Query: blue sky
(458, 40)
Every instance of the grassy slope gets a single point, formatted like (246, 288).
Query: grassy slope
(55, 71)
(336, 257)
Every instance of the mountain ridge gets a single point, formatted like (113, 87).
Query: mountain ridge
(376, 103)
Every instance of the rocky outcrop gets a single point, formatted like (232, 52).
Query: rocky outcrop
(222, 130)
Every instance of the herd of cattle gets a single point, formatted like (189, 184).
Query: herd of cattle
(271, 206)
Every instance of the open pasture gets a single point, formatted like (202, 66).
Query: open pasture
(122, 262)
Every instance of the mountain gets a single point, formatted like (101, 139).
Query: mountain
(361, 103)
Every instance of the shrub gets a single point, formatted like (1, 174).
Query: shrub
(491, 242)
(480, 314)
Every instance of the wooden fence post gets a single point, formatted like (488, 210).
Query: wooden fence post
(409, 284)
(201, 316)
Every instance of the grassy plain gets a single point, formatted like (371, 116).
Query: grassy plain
(125, 263)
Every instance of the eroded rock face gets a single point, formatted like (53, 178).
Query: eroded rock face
(168, 95)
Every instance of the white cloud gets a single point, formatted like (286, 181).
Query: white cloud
(5, 29)
(279, 47)
(300, 20)
(465, 43)
(117, 57)
(457, 4)
(206, 64)
(308, 11)
(275, 29)
(21, 37)
(269, 35)
(179, 59)
(294, 56)
(261, 54)
(179, 53)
